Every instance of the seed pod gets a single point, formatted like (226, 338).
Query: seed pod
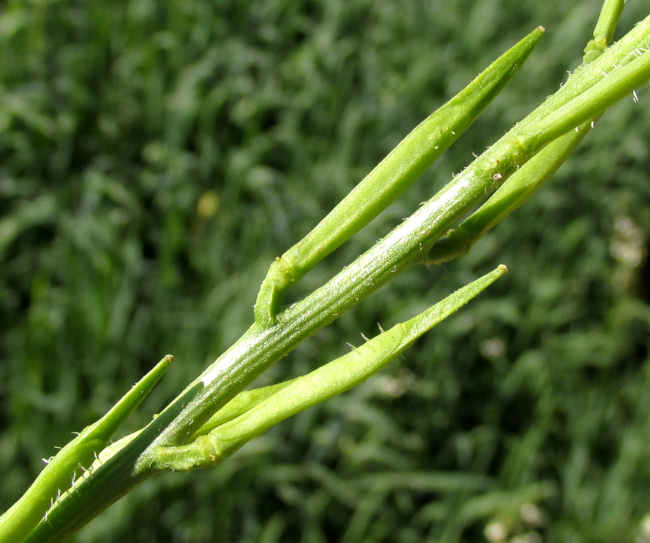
(319, 385)
(61, 471)
(391, 177)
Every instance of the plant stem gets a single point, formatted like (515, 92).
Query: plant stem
(402, 248)
(405, 246)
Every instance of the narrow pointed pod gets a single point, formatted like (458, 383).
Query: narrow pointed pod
(521, 185)
(319, 385)
(112, 475)
(244, 401)
(391, 177)
(61, 471)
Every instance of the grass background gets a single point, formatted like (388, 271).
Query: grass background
(156, 155)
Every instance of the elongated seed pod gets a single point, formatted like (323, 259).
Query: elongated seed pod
(319, 385)
(71, 460)
(391, 177)
(522, 184)
(240, 404)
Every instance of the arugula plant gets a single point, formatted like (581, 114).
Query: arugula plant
(214, 416)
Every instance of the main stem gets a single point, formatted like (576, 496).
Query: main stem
(404, 247)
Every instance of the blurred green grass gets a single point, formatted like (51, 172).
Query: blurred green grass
(154, 158)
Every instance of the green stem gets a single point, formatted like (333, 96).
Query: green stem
(529, 178)
(592, 102)
(513, 193)
(404, 247)
(604, 31)
(261, 346)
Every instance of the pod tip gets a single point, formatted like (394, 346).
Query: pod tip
(503, 268)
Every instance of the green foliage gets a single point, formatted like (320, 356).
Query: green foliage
(156, 156)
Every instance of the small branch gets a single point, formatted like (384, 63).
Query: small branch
(405, 246)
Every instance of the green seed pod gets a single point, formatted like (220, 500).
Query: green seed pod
(391, 177)
(61, 471)
(319, 385)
